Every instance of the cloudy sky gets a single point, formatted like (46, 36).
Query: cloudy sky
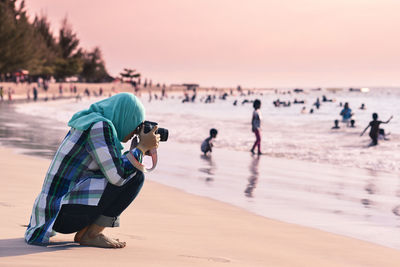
(255, 43)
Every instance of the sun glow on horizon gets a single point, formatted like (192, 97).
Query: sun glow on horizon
(225, 43)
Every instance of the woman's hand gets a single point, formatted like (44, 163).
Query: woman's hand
(148, 140)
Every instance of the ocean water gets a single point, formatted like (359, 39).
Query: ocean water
(285, 131)
(312, 175)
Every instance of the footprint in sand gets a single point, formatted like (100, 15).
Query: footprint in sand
(5, 204)
(133, 236)
(215, 259)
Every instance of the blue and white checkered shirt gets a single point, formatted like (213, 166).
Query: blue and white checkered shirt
(82, 166)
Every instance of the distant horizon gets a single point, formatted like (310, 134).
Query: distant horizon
(258, 87)
(224, 43)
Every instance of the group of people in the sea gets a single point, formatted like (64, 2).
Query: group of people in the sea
(376, 132)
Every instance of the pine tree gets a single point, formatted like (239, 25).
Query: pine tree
(94, 69)
(17, 51)
(70, 63)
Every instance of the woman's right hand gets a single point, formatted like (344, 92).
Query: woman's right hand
(148, 140)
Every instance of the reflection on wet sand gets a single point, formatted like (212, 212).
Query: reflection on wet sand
(371, 189)
(253, 178)
(37, 136)
(396, 209)
(210, 168)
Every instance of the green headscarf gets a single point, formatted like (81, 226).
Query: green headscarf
(123, 112)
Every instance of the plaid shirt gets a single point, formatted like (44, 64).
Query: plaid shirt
(78, 174)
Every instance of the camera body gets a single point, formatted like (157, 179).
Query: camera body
(149, 125)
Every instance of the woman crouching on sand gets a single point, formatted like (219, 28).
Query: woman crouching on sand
(89, 182)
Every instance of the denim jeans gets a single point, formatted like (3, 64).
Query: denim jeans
(114, 200)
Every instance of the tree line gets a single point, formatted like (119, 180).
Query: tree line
(30, 45)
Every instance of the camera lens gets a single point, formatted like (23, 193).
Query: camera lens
(148, 125)
(163, 134)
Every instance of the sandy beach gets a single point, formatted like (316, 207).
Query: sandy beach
(167, 227)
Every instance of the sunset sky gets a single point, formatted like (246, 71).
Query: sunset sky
(254, 43)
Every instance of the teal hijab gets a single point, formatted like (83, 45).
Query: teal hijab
(123, 112)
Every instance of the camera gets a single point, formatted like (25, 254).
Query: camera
(148, 125)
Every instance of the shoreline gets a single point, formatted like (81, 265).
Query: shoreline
(162, 231)
(21, 90)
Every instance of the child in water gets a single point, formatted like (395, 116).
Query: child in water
(256, 126)
(374, 132)
(207, 144)
(336, 122)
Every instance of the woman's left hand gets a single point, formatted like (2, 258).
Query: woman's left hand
(148, 140)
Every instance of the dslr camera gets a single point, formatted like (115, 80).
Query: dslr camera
(149, 125)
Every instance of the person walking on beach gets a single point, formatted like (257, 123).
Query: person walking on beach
(346, 114)
(35, 94)
(256, 126)
(89, 182)
(374, 132)
(207, 144)
(9, 93)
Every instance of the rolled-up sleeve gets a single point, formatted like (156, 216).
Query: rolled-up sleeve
(117, 169)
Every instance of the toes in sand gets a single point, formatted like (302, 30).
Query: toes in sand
(101, 241)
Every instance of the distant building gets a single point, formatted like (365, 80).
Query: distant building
(185, 86)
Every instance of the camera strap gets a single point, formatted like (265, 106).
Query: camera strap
(140, 166)
(154, 159)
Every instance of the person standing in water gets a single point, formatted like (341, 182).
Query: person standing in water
(346, 114)
(256, 126)
(374, 132)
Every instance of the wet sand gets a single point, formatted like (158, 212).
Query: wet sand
(348, 201)
(31, 135)
(167, 227)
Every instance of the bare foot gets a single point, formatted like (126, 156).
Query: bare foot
(101, 241)
(79, 235)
